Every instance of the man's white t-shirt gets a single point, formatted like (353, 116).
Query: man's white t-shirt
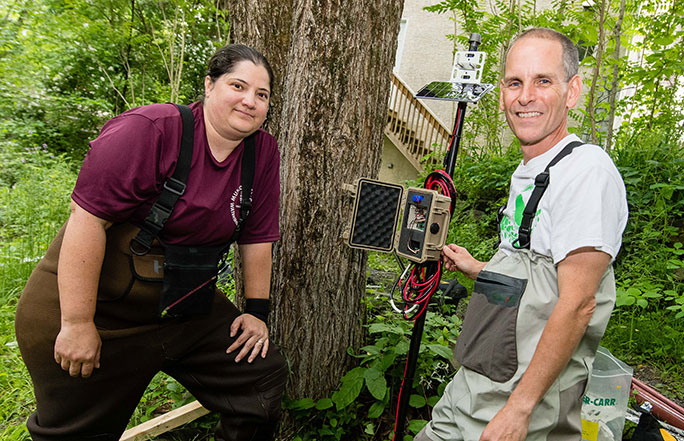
(585, 204)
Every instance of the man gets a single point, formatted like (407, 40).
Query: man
(526, 357)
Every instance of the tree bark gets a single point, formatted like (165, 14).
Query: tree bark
(612, 96)
(603, 12)
(333, 61)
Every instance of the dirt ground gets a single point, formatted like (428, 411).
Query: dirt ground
(660, 381)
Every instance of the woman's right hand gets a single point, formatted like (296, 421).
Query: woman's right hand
(77, 348)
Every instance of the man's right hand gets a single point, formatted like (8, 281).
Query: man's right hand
(77, 348)
(459, 259)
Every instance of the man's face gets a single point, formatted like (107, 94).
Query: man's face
(534, 94)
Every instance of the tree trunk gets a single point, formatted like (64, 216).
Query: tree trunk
(332, 60)
(603, 12)
(617, 35)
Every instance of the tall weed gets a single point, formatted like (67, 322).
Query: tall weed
(649, 269)
(362, 407)
(34, 201)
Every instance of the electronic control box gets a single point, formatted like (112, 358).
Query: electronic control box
(375, 221)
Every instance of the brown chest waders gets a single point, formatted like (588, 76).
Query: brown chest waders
(136, 345)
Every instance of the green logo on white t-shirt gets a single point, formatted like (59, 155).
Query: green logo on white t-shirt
(509, 227)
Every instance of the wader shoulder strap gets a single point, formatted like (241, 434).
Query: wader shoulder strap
(246, 181)
(541, 182)
(174, 187)
(172, 190)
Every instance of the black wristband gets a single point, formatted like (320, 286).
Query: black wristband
(259, 308)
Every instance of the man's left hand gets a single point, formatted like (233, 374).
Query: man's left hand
(253, 339)
(507, 425)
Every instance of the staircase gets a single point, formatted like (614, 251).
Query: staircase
(413, 128)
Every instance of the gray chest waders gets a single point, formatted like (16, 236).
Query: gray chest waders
(487, 342)
(513, 298)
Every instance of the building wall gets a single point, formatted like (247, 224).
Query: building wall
(426, 54)
(395, 167)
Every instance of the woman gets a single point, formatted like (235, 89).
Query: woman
(92, 335)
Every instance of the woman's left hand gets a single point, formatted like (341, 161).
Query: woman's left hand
(253, 339)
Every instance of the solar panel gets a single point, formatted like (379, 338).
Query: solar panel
(448, 91)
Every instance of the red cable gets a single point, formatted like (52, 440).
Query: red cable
(396, 415)
(419, 287)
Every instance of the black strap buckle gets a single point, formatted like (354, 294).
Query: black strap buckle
(521, 246)
(542, 179)
(174, 186)
(141, 248)
(523, 240)
(245, 207)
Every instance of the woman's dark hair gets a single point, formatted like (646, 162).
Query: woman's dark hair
(227, 57)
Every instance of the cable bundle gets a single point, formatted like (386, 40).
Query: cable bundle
(423, 279)
(440, 181)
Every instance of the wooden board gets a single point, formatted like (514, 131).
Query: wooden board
(164, 423)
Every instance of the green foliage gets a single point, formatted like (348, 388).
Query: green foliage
(650, 62)
(658, 31)
(17, 391)
(649, 270)
(650, 338)
(69, 65)
(362, 407)
(481, 183)
(34, 202)
(651, 165)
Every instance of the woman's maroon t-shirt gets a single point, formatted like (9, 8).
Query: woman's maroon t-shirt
(124, 171)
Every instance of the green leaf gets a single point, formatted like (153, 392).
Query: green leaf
(416, 426)
(324, 403)
(402, 347)
(373, 350)
(442, 351)
(303, 404)
(376, 383)
(387, 361)
(634, 292)
(354, 375)
(352, 383)
(417, 401)
(624, 300)
(652, 295)
(642, 302)
(384, 327)
(376, 410)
